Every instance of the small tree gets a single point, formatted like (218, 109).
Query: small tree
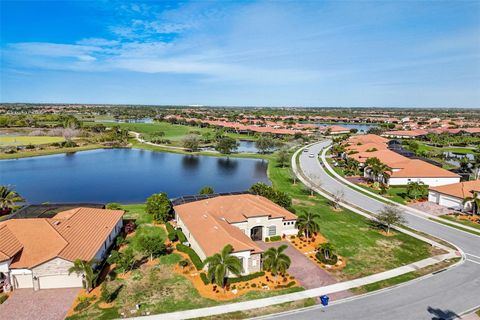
(113, 206)
(337, 198)
(226, 145)
(191, 142)
(160, 207)
(390, 216)
(416, 190)
(308, 224)
(84, 268)
(276, 261)
(206, 190)
(124, 260)
(283, 157)
(220, 264)
(265, 143)
(152, 245)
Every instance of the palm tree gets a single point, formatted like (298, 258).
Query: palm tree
(86, 269)
(474, 200)
(8, 197)
(327, 250)
(378, 169)
(275, 261)
(416, 189)
(307, 223)
(220, 264)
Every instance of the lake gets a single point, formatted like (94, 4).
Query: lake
(244, 146)
(359, 126)
(126, 175)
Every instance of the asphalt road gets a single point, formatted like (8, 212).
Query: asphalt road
(441, 296)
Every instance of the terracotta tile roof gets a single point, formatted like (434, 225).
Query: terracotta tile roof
(367, 146)
(388, 157)
(367, 138)
(459, 190)
(421, 169)
(9, 244)
(85, 230)
(209, 220)
(406, 133)
(73, 234)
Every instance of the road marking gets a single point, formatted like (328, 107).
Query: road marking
(469, 254)
(473, 261)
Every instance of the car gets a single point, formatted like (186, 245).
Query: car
(311, 155)
(305, 150)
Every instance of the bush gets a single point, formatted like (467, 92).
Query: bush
(172, 233)
(197, 262)
(105, 293)
(3, 298)
(130, 227)
(160, 207)
(332, 261)
(276, 196)
(284, 286)
(69, 144)
(172, 236)
(83, 303)
(275, 238)
(247, 277)
(113, 206)
(30, 146)
(204, 278)
(267, 239)
(169, 227)
(181, 236)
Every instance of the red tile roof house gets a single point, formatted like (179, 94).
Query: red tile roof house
(453, 195)
(37, 252)
(238, 220)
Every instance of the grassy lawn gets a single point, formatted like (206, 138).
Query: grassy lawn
(173, 132)
(366, 250)
(44, 152)
(26, 140)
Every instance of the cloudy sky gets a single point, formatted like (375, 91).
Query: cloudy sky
(319, 53)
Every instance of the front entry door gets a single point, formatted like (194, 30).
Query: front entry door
(256, 233)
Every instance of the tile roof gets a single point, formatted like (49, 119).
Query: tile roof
(459, 190)
(209, 220)
(366, 138)
(421, 169)
(9, 244)
(73, 234)
(388, 157)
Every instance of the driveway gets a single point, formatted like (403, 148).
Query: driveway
(48, 304)
(305, 271)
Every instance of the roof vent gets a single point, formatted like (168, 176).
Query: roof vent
(215, 227)
(56, 223)
(204, 216)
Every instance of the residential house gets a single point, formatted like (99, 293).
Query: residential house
(37, 252)
(453, 195)
(238, 220)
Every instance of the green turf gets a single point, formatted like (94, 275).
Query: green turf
(462, 221)
(26, 140)
(45, 152)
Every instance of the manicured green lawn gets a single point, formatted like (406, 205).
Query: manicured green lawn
(44, 152)
(26, 140)
(462, 221)
(366, 249)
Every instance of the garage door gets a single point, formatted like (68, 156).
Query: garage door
(22, 281)
(60, 281)
(450, 202)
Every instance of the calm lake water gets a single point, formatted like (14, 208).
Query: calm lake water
(126, 175)
(358, 126)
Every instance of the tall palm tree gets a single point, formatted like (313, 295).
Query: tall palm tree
(86, 269)
(378, 170)
(308, 224)
(220, 264)
(275, 261)
(8, 197)
(474, 200)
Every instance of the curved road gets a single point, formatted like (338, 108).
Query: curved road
(441, 296)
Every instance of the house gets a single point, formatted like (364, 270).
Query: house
(238, 220)
(453, 195)
(405, 133)
(37, 252)
(420, 171)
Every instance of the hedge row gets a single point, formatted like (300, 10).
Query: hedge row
(172, 233)
(273, 238)
(247, 277)
(181, 236)
(284, 286)
(197, 262)
(204, 278)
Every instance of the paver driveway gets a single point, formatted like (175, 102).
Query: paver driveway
(48, 304)
(305, 271)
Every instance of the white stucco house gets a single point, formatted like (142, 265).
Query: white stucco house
(238, 220)
(453, 195)
(37, 252)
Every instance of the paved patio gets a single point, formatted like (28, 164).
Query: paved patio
(48, 304)
(305, 271)
(431, 208)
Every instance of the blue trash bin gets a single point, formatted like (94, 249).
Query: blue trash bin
(324, 300)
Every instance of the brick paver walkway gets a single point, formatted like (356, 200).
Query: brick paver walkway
(48, 304)
(305, 271)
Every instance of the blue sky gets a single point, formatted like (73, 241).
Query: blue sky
(319, 53)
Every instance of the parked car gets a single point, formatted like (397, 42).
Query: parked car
(305, 150)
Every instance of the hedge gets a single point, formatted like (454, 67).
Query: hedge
(197, 262)
(275, 238)
(181, 236)
(204, 278)
(169, 227)
(283, 286)
(172, 233)
(3, 297)
(248, 277)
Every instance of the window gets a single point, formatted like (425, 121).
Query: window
(272, 230)
(285, 223)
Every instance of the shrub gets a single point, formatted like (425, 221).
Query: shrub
(197, 262)
(3, 298)
(160, 207)
(247, 277)
(29, 146)
(184, 263)
(284, 286)
(254, 285)
(69, 144)
(105, 293)
(113, 206)
(267, 239)
(320, 256)
(130, 227)
(181, 236)
(172, 233)
(169, 227)
(83, 303)
(204, 278)
(275, 238)
(172, 236)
